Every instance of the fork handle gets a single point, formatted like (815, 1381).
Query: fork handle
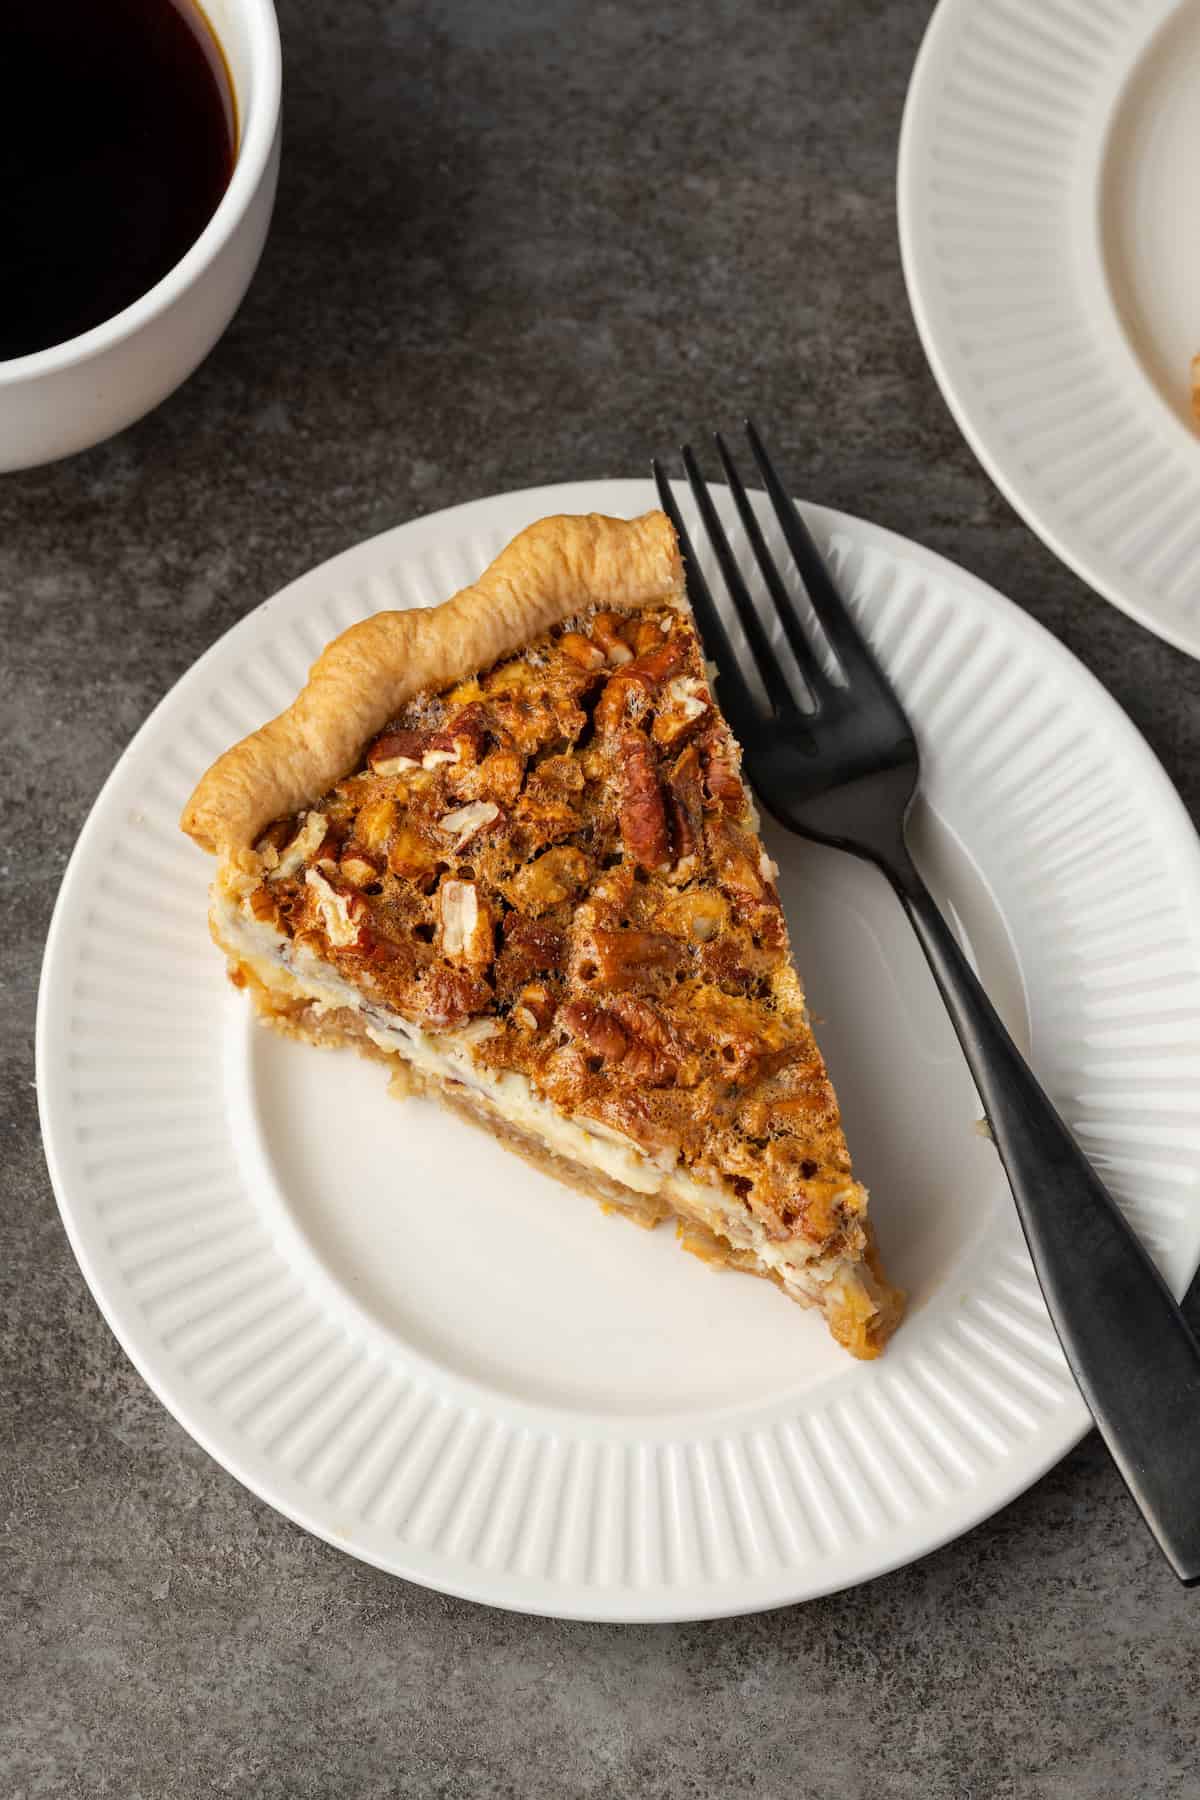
(1130, 1349)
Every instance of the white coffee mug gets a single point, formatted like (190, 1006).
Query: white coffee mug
(75, 394)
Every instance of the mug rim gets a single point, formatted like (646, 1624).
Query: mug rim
(253, 154)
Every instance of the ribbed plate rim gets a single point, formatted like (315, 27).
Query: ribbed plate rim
(1064, 540)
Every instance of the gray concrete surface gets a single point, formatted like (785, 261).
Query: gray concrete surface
(515, 243)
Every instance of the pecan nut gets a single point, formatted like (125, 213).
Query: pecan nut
(535, 1007)
(642, 812)
(606, 629)
(626, 959)
(545, 821)
(538, 945)
(356, 868)
(501, 775)
(596, 1029)
(467, 730)
(684, 705)
(396, 752)
(698, 915)
(303, 847)
(736, 861)
(467, 932)
(374, 825)
(341, 915)
(581, 651)
(648, 634)
(558, 874)
(447, 995)
(461, 741)
(463, 823)
(722, 782)
(556, 778)
(410, 856)
(685, 805)
(653, 1054)
(638, 680)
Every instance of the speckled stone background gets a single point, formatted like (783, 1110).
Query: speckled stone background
(517, 241)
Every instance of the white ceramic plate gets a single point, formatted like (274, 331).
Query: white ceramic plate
(506, 1394)
(1048, 225)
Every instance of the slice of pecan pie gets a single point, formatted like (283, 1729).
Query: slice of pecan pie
(504, 845)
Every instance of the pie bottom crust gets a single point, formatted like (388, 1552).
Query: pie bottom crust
(862, 1320)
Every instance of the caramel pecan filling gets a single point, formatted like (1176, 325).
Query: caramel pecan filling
(564, 845)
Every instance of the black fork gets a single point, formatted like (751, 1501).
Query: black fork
(845, 773)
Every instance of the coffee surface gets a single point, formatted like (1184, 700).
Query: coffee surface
(117, 141)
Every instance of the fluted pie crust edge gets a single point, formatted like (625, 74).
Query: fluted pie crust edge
(365, 676)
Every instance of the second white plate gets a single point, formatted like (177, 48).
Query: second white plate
(1048, 227)
(452, 1367)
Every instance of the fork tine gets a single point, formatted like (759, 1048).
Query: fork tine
(737, 701)
(847, 642)
(806, 657)
(760, 645)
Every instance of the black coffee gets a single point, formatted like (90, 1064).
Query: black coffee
(117, 140)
